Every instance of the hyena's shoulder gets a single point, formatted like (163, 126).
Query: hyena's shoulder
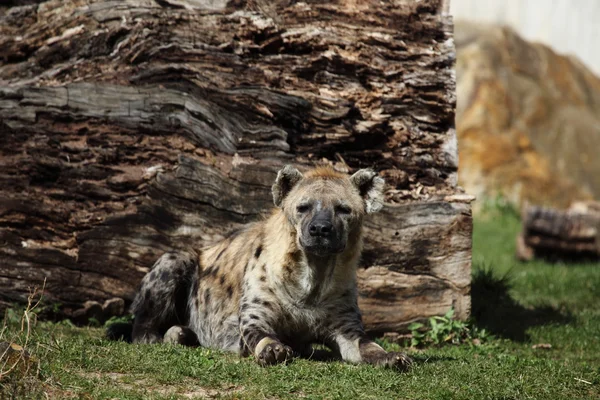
(232, 254)
(222, 267)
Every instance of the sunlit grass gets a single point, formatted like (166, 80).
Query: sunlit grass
(522, 304)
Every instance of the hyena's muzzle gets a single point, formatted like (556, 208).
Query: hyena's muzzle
(321, 235)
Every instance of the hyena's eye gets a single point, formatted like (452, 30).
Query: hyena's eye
(303, 208)
(342, 209)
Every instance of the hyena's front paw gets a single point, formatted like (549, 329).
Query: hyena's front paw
(399, 361)
(274, 353)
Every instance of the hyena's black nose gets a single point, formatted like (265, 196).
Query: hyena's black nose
(320, 228)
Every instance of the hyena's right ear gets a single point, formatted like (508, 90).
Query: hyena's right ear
(287, 177)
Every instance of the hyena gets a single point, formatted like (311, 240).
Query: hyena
(276, 286)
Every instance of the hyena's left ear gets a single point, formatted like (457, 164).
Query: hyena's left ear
(370, 186)
(286, 179)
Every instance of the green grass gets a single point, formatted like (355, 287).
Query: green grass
(522, 304)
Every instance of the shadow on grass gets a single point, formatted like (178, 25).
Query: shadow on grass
(429, 359)
(326, 355)
(321, 353)
(554, 256)
(494, 309)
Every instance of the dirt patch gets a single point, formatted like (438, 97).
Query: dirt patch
(186, 388)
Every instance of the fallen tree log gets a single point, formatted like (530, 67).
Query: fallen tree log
(560, 234)
(130, 128)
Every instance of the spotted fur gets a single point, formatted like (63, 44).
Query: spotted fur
(274, 287)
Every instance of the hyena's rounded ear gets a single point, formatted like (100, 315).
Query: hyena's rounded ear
(370, 186)
(286, 179)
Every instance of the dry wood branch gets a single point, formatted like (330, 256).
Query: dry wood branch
(569, 234)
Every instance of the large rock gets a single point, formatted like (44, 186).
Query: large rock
(528, 119)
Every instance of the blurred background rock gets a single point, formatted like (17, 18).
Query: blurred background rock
(528, 114)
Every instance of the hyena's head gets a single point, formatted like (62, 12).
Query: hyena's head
(325, 207)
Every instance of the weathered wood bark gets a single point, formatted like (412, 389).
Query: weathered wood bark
(133, 127)
(556, 234)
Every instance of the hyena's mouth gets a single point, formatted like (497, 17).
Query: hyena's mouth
(322, 247)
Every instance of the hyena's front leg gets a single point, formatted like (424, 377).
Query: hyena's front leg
(372, 353)
(354, 346)
(258, 335)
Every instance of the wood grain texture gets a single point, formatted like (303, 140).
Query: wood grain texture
(133, 127)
